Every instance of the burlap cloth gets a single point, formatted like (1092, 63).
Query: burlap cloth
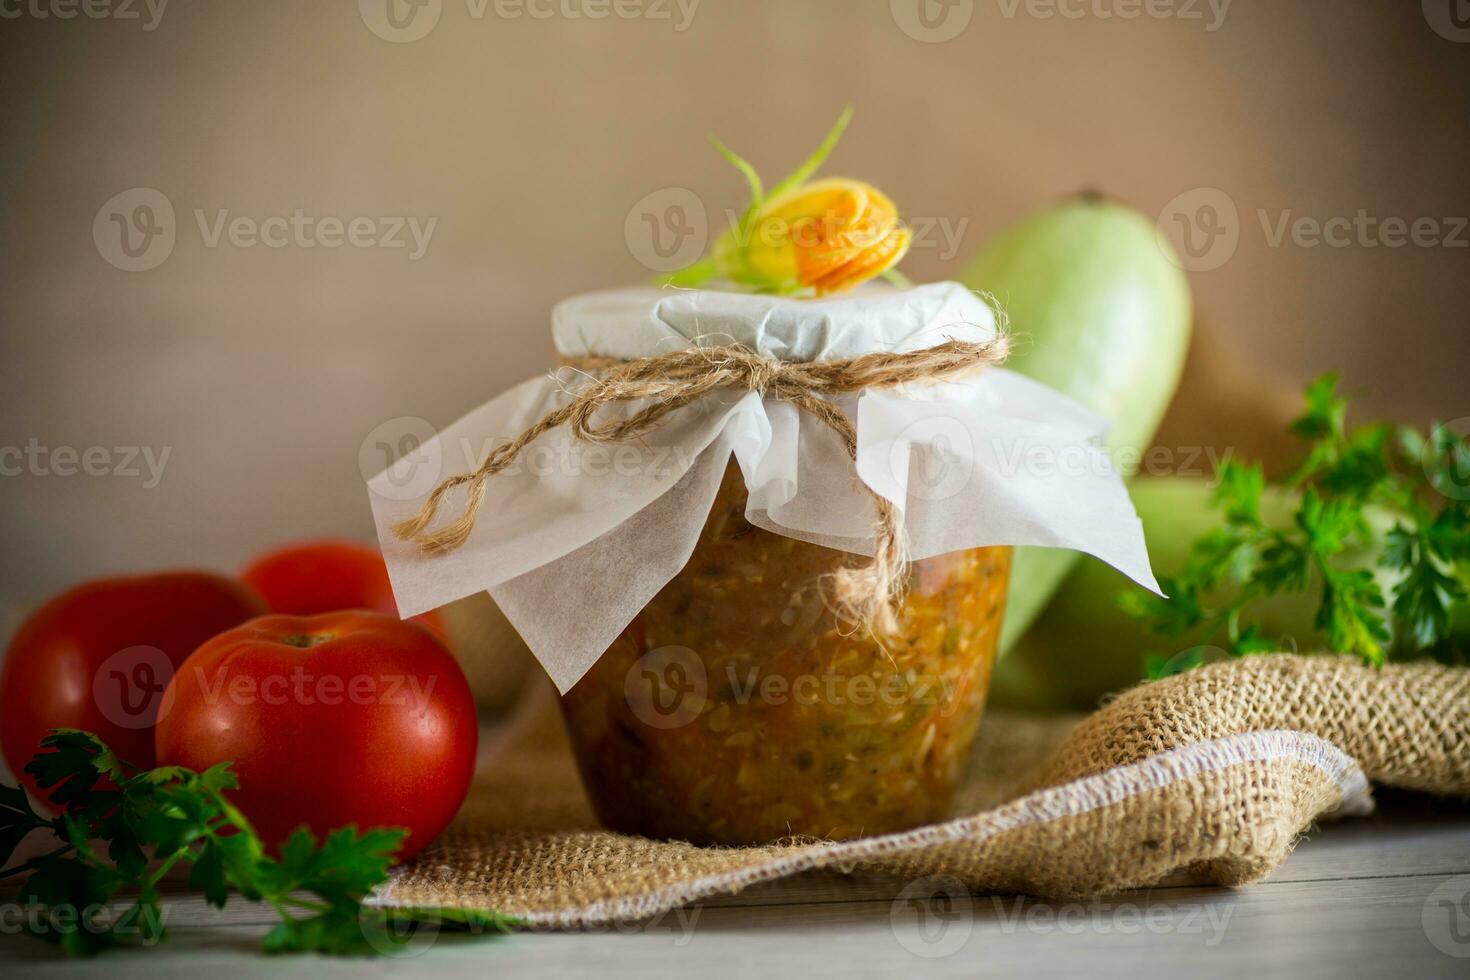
(1212, 774)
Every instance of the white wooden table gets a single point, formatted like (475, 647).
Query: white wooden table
(1385, 896)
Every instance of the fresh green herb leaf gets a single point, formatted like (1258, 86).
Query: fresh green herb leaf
(17, 820)
(152, 820)
(1325, 417)
(1348, 478)
(1350, 613)
(1239, 492)
(1424, 596)
(1285, 565)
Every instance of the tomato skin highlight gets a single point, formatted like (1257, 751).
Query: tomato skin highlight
(314, 577)
(343, 718)
(97, 657)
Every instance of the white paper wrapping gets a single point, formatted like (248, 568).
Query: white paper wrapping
(574, 539)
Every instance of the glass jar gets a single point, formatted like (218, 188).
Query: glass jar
(736, 709)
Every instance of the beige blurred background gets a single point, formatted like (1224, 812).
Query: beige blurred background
(261, 371)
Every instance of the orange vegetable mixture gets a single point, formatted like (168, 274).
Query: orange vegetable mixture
(735, 709)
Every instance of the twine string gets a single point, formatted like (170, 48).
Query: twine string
(864, 594)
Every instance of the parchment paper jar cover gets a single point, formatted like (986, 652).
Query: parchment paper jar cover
(576, 538)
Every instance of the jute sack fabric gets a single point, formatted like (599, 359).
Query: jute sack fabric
(1212, 775)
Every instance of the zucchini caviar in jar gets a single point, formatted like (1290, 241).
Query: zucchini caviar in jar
(737, 709)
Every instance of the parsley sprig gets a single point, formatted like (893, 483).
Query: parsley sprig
(1351, 482)
(124, 828)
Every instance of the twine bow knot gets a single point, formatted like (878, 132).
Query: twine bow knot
(864, 594)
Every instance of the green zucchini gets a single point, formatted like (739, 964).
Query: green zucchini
(1101, 314)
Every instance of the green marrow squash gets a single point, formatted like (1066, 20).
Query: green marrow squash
(1102, 314)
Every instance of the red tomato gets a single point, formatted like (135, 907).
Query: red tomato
(316, 577)
(98, 656)
(344, 718)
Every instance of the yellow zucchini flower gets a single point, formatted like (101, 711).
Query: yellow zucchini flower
(806, 236)
(828, 235)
